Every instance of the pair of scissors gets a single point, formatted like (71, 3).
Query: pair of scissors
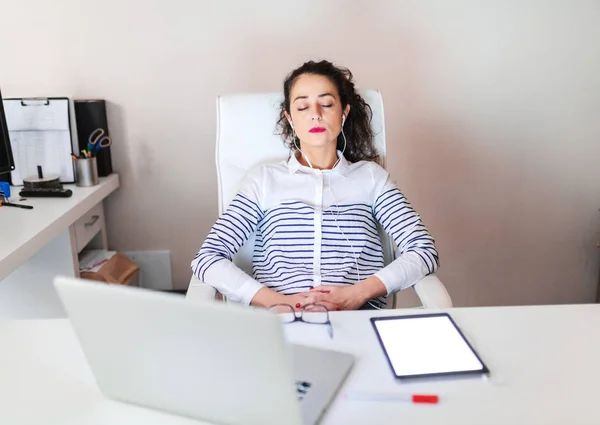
(97, 141)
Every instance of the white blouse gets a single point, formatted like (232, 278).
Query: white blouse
(315, 227)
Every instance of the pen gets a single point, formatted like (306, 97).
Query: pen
(411, 398)
(9, 204)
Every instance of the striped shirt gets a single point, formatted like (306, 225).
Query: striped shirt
(315, 227)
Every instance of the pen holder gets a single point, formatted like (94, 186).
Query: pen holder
(86, 172)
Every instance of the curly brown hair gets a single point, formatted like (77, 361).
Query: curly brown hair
(357, 128)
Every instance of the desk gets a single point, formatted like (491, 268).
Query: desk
(544, 363)
(41, 243)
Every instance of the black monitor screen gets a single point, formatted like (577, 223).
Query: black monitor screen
(7, 163)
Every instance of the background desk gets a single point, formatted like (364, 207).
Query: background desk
(38, 244)
(544, 363)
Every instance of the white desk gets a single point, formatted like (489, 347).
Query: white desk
(544, 363)
(40, 243)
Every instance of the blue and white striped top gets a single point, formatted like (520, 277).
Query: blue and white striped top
(315, 227)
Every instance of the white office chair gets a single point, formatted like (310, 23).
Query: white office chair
(246, 138)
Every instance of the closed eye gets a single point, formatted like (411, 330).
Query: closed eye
(324, 106)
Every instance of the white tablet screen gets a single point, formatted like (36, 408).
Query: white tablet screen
(426, 345)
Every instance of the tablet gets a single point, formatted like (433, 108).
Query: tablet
(426, 345)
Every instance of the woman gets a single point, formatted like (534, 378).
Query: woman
(315, 215)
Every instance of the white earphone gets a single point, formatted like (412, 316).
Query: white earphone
(298, 147)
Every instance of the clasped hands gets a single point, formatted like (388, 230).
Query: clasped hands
(338, 297)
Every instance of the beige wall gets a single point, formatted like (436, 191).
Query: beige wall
(492, 116)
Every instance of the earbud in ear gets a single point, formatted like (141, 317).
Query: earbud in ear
(343, 119)
(292, 125)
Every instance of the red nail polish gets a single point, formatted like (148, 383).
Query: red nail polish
(298, 305)
(338, 309)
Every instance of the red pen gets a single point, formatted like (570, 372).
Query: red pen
(411, 398)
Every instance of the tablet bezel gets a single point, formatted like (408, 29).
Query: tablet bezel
(484, 370)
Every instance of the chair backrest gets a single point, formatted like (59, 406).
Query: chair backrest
(246, 137)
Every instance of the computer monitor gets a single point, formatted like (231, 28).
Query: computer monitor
(7, 162)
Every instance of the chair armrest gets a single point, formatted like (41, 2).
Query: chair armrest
(432, 293)
(200, 291)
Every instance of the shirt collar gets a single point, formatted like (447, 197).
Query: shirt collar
(341, 167)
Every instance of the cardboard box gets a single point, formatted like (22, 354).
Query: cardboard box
(118, 269)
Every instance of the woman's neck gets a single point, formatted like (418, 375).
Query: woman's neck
(318, 158)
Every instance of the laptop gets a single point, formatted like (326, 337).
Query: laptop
(222, 363)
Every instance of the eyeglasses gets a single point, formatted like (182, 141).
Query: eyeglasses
(313, 314)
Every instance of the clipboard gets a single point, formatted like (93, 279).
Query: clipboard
(42, 132)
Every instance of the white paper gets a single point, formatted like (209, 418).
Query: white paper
(37, 115)
(40, 135)
(93, 260)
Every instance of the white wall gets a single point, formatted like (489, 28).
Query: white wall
(492, 116)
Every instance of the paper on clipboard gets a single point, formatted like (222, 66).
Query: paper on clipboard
(40, 134)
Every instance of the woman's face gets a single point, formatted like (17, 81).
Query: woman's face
(316, 111)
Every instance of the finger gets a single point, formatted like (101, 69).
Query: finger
(317, 289)
(317, 297)
(324, 288)
(307, 301)
(297, 300)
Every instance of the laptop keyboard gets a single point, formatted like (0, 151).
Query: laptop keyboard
(302, 388)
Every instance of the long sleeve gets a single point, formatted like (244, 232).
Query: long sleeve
(213, 263)
(416, 252)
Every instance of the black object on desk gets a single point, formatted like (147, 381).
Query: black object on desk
(10, 204)
(7, 163)
(45, 192)
(4, 202)
(90, 115)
